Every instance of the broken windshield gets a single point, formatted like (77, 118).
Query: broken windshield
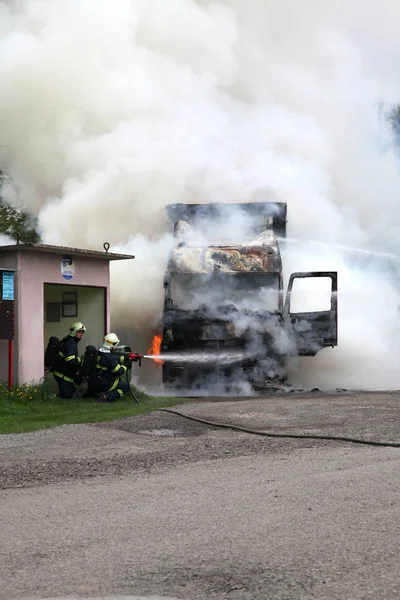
(252, 291)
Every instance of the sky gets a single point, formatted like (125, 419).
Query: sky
(111, 110)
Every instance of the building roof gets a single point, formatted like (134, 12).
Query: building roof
(62, 250)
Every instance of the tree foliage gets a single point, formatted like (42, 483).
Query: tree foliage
(16, 223)
(393, 118)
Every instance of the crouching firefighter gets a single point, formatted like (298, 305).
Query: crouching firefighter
(105, 379)
(67, 361)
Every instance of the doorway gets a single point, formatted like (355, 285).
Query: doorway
(66, 304)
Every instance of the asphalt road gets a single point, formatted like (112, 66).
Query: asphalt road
(159, 506)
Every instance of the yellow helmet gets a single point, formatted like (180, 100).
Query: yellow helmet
(75, 327)
(111, 341)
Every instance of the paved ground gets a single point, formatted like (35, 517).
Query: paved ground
(159, 505)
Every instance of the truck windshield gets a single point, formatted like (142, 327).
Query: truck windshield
(254, 291)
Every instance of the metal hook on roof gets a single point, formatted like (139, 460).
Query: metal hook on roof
(106, 246)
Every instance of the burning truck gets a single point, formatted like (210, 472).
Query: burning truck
(226, 317)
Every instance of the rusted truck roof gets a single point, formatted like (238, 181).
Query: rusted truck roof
(225, 259)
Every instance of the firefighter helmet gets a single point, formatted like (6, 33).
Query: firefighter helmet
(75, 327)
(111, 341)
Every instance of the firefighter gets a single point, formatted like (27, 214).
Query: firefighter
(105, 381)
(67, 360)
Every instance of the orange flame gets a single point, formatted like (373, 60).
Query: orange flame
(155, 349)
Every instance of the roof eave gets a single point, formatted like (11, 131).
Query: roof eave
(63, 250)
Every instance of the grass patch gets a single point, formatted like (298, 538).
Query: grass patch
(29, 408)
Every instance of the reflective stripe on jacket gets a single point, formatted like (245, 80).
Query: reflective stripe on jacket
(66, 378)
(68, 360)
(109, 370)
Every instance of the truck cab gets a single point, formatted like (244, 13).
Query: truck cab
(226, 316)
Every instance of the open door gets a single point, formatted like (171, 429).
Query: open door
(311, 310)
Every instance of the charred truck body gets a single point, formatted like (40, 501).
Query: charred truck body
(225, 315)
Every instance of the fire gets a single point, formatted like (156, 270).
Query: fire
(155, 349)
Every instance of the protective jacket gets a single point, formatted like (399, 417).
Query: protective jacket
(68, 361)
(107, 373)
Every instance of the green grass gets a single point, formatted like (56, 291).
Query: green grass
(29, 408)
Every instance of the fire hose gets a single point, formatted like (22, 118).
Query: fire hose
(131, 357)
(130, 388)
(335, 438)
(298, 436)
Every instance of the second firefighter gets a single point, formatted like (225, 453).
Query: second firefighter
(106, 379)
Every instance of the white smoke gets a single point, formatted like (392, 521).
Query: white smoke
(110, 110)
(5, 240)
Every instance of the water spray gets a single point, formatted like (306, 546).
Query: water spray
(223, 358)
(341, 247)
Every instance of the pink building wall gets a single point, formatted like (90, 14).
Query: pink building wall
(9, 261)
(34, 268)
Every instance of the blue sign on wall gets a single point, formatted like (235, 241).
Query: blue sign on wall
(8, 285)
(67, 267)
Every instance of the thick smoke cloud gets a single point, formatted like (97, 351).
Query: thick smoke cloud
(110, 110)
(5, 240)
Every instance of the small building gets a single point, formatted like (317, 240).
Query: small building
(43, 290)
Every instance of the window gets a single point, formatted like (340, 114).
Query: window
(69, 304)
(53, 312)
(311, 294)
